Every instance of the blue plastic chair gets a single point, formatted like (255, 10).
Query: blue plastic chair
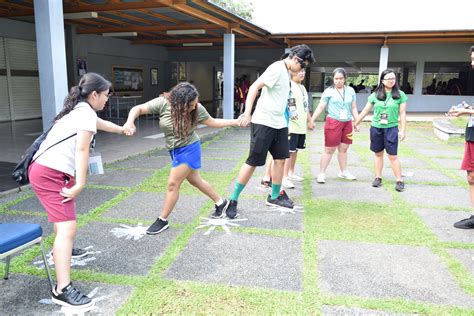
(15, 237)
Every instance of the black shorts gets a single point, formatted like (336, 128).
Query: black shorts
(384, 138)
(296, 142)
(264, 139)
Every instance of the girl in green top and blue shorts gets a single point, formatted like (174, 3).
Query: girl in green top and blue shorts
(389, 104)
(179, 112)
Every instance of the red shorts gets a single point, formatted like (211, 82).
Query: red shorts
(47, 183)
(468, 160)
(336, 132)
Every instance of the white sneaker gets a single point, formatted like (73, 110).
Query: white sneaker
(321, 178)
(287, 184)
(346, 175)
(296, 178)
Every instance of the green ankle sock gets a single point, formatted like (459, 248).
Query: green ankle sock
(275, 190)
(237, 190)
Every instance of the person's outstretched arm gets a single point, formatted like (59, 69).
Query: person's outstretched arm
(253, 91)
(134, 113)
(109, 127)
(319, 110)
(363, 114)
(216, 123)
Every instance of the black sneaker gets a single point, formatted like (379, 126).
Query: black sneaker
(157, 227)
(467, 223)
(400, 186)
(77, 253)
(279, 202)
(71, 297)
(231, 210)
(285, 197)
(377, 183)
(266, 184)
(219, 212)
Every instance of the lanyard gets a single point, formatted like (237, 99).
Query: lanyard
(343, 95)
(385, 102)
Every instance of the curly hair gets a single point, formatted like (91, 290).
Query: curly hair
(180, 98)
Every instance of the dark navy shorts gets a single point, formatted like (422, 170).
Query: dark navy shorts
(296, 142)
(190, 155)
(384, 138)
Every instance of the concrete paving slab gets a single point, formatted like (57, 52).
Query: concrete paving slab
(259, 215)
(229, 144)
(241, 259)
(119, 178)
(148, 205)
(142, 162)
(449, 163)
(161, 152)
(354, 311)
(422, 195)
(466, 257)
(218, 165)
(426, 175)
(363, 174)
(350, 191)
(215, 152)
(86, 201)
(388, 271)
(254, 187)
(407, 162)
(441, 153)
(120, 249)
(441, 223)
(30, 295)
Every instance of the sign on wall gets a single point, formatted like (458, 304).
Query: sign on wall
(127, 79)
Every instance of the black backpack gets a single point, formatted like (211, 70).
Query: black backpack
(20, 173)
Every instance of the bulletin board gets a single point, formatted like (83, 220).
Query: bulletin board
(127, 79)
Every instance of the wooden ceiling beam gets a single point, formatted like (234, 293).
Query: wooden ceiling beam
(161, 28)
(160, 16)
(190, 40)
(220, 47)
(254, 36)
(373, 35)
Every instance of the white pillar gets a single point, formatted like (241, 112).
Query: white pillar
(383, 62)
(229, 59)
(50, 45)
(419, 73)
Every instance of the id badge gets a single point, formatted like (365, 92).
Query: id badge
(292, 107)
(384, 118)
(305, 105)
(95, 164)
(343, 114)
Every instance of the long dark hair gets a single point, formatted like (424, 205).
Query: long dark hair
(380, 90)
(180, 97)
(89, 83)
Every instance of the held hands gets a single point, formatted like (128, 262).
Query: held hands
(244, 120)
(401, 135)
(71, 193)
(357, 128)
(311, 125)
(129, 129)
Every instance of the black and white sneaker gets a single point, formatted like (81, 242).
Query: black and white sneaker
(279, 202)
(220, 210)
(231, 210)
(157, 227)
(467, 223)
(77, 253)
(71, 297)
(285, 197)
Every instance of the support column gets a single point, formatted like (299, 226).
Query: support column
(229, 62)
(50, 44)
(383, 62)
(420, 71)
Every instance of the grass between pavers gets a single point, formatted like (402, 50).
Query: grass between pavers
(323, 219)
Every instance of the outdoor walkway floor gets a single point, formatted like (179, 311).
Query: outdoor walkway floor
(351, 250)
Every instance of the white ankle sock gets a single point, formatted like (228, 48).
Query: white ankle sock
(219, 203)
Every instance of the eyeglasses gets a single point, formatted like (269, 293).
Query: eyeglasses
(302, 63)
(108, 95)
(389, 79)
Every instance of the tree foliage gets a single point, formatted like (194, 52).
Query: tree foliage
(241, 8)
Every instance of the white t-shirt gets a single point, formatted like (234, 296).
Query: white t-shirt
(271, 105)
(299, 125)
(62, 156)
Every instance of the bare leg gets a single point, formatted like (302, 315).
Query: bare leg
(62, 248)
(268, 168)
(470, 180)
(245, 173)
(396, 167)
(291, 164)
(175, 179)
(342, 156)
(277, 170)
(326, 158)
(195, 179)
(378, 164)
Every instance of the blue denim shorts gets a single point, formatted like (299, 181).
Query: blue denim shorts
(190, 155)
(384, 138)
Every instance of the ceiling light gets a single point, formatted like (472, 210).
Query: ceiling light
(186, 32)
(197, 44)
(120, 34)
(81, 15)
